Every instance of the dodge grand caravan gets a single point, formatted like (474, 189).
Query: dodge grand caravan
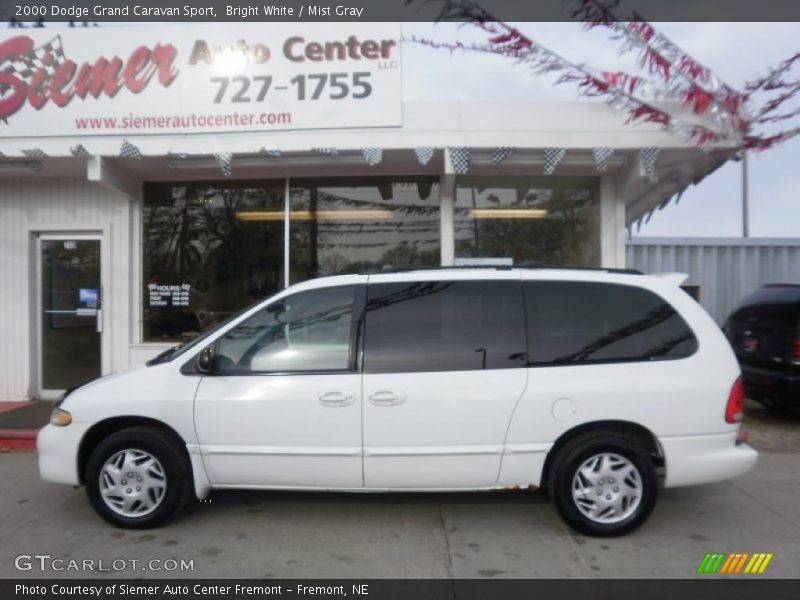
(600, 386)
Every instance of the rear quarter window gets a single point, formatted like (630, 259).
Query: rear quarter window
(574, 322)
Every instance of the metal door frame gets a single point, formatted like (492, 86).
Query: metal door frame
(36, 289)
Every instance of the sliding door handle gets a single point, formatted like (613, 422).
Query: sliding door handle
(386, 398)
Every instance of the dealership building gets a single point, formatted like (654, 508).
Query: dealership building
(152, 191)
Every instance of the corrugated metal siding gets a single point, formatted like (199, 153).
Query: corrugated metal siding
(726, 269)
(68, 205)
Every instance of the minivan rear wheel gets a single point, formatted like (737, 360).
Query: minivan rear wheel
(137, 478)
(603, 484)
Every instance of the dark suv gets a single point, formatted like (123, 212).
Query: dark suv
(764, 331)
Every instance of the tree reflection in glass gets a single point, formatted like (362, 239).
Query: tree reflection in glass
(548, 220)
(348, 225)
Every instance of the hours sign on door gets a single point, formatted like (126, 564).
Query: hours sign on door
(199, 78)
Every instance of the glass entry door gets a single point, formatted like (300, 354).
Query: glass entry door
(70, 311)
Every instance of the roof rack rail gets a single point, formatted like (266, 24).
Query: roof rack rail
(532, 266)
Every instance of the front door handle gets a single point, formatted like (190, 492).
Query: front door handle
(386, 398)
(336, 399)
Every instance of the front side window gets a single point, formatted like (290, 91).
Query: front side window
(308, 331)
(444, 326)
(573, 322)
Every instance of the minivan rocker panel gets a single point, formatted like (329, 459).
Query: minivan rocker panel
(599, 386)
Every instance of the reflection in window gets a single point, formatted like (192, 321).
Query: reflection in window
(548, 220)
(309, 331)
(572, 322)
(202, 260)
(444, 326)
(348, 225)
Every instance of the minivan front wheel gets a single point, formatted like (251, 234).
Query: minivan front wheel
(603, 484)
(137, 478)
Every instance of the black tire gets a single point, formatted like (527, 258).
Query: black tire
(176, 471)
(566, 464)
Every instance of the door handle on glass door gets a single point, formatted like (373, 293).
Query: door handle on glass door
(386, 398)
(336, 399)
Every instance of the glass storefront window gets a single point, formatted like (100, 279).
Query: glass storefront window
(547, 220)
(347, 225)
(205, 257)
(212, 248)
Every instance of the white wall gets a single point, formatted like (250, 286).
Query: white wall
(55, 205)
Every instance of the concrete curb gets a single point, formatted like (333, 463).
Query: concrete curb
(18, 440)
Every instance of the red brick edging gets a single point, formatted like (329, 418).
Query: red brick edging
(18, 439)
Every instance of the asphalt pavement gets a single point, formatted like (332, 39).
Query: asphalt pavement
(459, 535)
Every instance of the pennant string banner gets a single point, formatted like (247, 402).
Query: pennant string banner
(602, 155)
(621, 90)
(678, 76)
(79, 150)
(460, 159)
(424, 154)
(648, 157)
(552, 157)
(373, 156)
(500, 154)
(224, 160)
(130, 151)
(687, 79)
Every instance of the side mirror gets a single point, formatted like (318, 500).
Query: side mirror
(205, 361)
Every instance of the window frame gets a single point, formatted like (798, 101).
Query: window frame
(602, 361)
(354, 360)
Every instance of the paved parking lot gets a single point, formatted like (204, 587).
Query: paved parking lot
(504, 534)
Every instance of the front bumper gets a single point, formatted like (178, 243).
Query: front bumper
(698, 459)
(58, 452)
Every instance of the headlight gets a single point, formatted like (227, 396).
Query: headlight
(60, 417)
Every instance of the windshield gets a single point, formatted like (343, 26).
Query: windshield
(180, 349)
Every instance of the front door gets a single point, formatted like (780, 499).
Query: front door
(444, 366)
(70, 314)
(282, 407)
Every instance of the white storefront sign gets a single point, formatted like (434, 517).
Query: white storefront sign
(128, 81)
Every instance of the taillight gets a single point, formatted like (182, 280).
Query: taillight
(796, 351)
(735, 407)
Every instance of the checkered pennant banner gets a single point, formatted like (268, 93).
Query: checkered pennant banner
(373, 156)
(602, 155)
(80, 151)
(552, 157)
(648, 156)
(34, 153)
(459, 156)
(424, 154)
(24, 67)
(224, 161)
(128, 150)
(327, 151)
(500, 154)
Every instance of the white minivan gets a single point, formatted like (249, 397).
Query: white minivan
(599, 385)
